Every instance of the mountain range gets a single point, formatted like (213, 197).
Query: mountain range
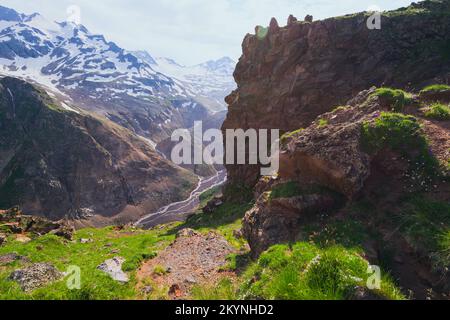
(150, 96)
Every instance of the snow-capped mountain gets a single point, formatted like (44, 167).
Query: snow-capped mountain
(96, 74)
(209, 82)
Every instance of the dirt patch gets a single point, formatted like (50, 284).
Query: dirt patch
(438, 134)
(192, 259)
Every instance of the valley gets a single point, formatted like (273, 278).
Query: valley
(93, 208)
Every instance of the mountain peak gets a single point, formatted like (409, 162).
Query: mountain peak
(8, 14)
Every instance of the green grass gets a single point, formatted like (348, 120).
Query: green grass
(323, 123)
(134, 246)
(436, 88)
(307, 272)
(224, 290)
(348, 233)
(400, 133)
(397, 98)
(426, 224)
(293, 189)
(438, 111)
(286, 190)
(159, 270)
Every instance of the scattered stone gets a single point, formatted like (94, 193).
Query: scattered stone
(115, 251)
(3, 239)
(113, 267)
(189, 260)
(84, 241)
(36, 276)
(187, 233)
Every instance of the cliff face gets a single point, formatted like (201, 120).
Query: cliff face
(290, 75)
(58, 162)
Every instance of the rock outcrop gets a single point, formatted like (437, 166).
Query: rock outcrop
(13, 221)
(36, 276)
(330, 163)
(290, 75)
(58, 162)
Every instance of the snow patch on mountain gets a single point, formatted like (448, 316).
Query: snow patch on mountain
(209, 82)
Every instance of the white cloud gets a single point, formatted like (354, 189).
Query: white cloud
(190, 31)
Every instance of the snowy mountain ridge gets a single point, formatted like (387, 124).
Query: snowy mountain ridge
(131, 89)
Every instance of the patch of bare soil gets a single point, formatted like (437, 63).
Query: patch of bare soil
(193, 259)
(438, 134)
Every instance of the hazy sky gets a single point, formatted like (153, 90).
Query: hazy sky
(190, 31)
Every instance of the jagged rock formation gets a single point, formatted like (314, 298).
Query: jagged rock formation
(59, 162)
(331, 162)
(292, 74)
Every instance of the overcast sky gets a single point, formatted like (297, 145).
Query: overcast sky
(189, 31)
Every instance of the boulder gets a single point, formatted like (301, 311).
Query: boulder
(36, 276)
(113, 267)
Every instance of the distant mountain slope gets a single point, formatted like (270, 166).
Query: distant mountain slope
(59, 162)
(209, 82)
(97, 75)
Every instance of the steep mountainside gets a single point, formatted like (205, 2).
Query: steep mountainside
(97, 75)
(59, 162)
(287, 76)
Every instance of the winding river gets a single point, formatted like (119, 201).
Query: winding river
(178, 211)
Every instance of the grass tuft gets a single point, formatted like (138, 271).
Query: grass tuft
(397, 98)
(438, 111)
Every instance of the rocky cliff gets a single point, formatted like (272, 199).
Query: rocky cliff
(287, 76)
(60, 162)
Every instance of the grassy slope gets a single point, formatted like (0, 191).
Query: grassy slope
(134, 245)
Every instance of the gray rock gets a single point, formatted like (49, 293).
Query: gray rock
(36, 276)
(84, 241)
(113, 267)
